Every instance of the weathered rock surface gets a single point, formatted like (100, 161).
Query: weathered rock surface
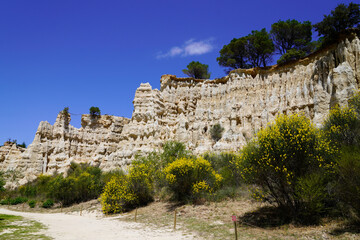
(185, 109)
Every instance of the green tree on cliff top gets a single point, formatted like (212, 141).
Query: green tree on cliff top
(197, 70)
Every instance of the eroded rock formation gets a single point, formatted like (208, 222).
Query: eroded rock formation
(185, 109)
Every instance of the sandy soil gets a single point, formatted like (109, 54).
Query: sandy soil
(91, 226)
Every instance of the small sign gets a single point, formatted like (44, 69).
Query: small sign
(233, 218)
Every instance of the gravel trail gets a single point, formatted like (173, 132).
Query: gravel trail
(89, 227)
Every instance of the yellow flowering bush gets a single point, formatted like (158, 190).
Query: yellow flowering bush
(343, 126)
(281, 154)
(117, 196)
(125, 192)
(191, 178)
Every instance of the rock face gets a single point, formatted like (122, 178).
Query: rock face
(185, 109)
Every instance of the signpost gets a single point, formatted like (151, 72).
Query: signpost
(233, 218)
(174, 219)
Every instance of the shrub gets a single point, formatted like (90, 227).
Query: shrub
(348, 182)
(291, 54)
(117, 197)
(63, 189)
(191, 178)
(5, 201)
(281, 158)
(66, 115)
(106, 176)
(173, 150)
(343, 126)
(83, 183)
(48, 203)
(2, 182)
(312, 195)
(354, 103)
(225, 164)
(94, 112)
(65, 111)
(128, 191)
(28, 190)
(141, 180)
(32, 203)
(17, 200)
(216, 132)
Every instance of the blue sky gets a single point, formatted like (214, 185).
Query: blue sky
(87, 53)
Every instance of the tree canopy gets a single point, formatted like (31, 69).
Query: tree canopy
(260, 48)
(291, 34)
(94, 111)
(342, 18)
(234, 54)
(291, 39)
(254, 50)
(197, 70)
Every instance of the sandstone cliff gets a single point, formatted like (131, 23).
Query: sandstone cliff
(185, 109)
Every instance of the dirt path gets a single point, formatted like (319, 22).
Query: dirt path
(71, 227)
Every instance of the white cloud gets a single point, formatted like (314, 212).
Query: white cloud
(189, 48)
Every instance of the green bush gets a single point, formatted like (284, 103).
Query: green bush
(191, 179)
(216, 132)
(28, 190)
(348, 182)
(2, 182)
(354, 103)
(225, 164)
(343, 126)
(32, 203)
(94, 112)
(5, 201)
(283, 158)
(291, 54)
(106, 176)
(83, 183)
(63, 190)
(18, 200)
(312, 195)
(48, 203)
(171, 151)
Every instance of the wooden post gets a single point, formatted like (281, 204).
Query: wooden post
(235, 231)
(81, 210)
(135, 213)
(174, 219)
(23, 206)
(61, 206)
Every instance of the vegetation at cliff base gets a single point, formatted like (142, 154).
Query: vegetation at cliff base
(82, 183)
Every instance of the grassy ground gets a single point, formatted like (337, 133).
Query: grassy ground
(213, 221)
(15, 227)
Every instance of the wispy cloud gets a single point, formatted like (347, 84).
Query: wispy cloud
(189, 48)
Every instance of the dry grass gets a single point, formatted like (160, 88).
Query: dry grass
(213, 220)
